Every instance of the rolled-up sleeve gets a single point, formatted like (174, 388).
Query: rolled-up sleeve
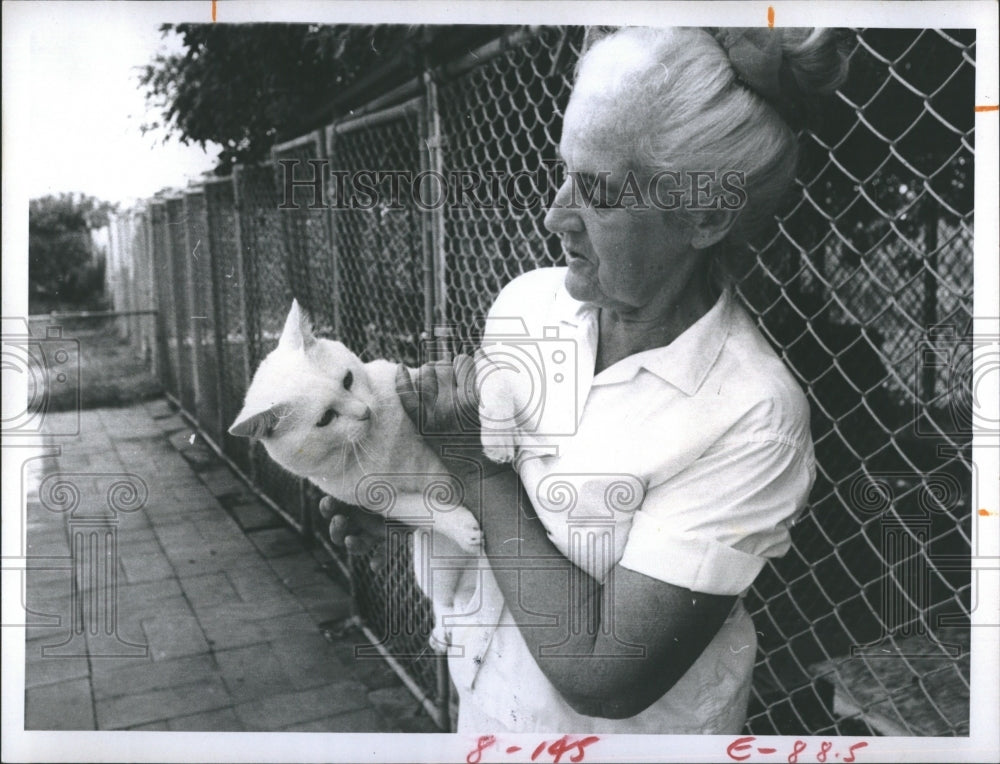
(713, 526)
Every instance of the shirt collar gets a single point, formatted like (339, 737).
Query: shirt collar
(684, 363)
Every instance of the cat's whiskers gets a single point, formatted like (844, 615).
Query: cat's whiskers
(373, 455)
(343, 459)
(357, 456)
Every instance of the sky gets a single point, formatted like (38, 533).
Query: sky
(86, 106)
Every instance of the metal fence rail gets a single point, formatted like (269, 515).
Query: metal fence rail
(864, 287)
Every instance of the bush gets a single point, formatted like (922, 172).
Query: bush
(65, 270)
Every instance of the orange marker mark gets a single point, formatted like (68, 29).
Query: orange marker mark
(984, 513)
(770, 16)
(213, 11)
(987, 108)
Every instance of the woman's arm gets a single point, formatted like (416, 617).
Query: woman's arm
(610, 650)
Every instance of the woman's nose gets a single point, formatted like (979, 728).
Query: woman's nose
(562, 216)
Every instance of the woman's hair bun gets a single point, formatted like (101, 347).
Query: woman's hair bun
(788, 67)
(815, 59)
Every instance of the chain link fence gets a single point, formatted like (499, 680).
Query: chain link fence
(864, 287)
(129, 281)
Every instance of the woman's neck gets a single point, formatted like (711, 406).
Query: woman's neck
(621, 335)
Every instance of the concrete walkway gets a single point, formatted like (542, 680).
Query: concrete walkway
(216, 621)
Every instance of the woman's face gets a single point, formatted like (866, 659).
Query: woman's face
(623, 258)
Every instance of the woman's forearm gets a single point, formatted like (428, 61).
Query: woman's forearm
(608, 653)
(541, 587)
(555, 604)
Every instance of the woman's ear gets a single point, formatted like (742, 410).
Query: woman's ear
(711, 226)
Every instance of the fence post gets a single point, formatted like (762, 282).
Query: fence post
(126, 228)
(158, 338)
(436, 305)
(194, 328)
(241, 272)
(166, 317)
(326, 138)
(217, 323)
(426, 225)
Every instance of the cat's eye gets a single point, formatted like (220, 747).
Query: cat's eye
(348, 380)
(327, 417)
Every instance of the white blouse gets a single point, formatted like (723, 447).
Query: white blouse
(686, 463)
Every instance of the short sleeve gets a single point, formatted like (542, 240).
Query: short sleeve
(518, 313)
(712, 527)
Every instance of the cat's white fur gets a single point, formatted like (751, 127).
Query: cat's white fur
(356, 443)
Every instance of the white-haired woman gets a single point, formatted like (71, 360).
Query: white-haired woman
(619, 608)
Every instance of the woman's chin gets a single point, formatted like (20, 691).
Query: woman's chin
(578, 282)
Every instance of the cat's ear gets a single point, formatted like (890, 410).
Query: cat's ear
(254, 423)
(298, 332)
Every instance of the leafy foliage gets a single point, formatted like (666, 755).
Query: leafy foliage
(244, 85)
(63, 268)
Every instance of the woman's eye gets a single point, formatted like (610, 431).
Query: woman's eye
(327, 417)
(348, 380)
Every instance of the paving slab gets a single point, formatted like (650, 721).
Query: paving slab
(366, 719)
(209, 589)
(279, 711)
(276, 542)
(254, 672)
(324, 602)
(223, 720)
(221, 481)
(40, 670)
(309, 660)
(133, 598)
(155, 705)
(300, 570)
(173, 636)
(145, 561)
(151, 727)
(128, 677)
(59, 706)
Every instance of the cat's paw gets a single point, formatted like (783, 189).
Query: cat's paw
(439, 639)
(470, 536)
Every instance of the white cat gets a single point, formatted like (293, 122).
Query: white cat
(324, 415)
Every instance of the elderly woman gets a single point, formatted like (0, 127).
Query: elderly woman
(625, 613)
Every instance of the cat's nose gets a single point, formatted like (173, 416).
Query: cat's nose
(366, 415)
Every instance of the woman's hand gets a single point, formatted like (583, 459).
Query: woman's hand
(354, 529)
(441, 399)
